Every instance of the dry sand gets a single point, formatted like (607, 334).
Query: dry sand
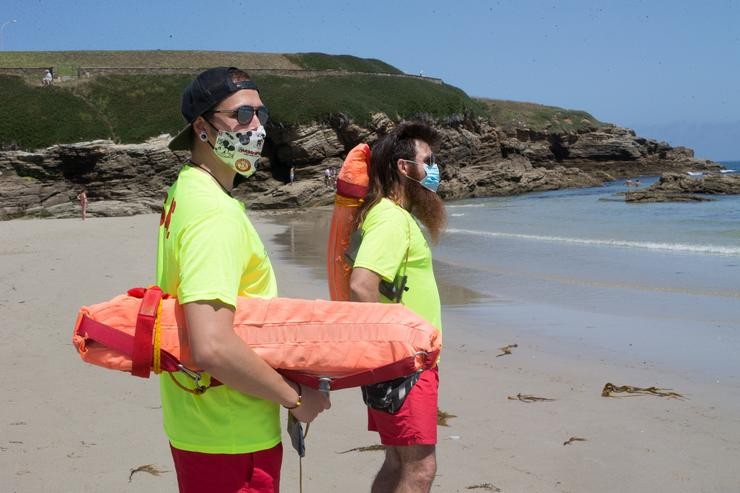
(66, 426)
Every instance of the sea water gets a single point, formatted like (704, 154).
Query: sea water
(661, 280)
(653, 282)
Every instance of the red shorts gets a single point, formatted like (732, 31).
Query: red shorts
(416, 422)
(258, 472)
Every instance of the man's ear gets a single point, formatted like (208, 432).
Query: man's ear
(199, 125)
(402, 166)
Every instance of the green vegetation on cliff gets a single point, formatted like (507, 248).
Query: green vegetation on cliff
(538, 117)
(66, 63)
(298, 100)
(40, 116)
(132, 107)
(136, 107)
(349, 63)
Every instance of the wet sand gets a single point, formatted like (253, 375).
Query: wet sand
(66, 426)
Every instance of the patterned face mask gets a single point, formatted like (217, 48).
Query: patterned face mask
(240, 150)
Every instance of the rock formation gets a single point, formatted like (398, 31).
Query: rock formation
(477, 159)
(673, 187)
(119, 179)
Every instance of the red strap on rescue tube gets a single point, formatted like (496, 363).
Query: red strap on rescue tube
(391, 371)
(141, 358)
(351, 190)
(140, 292)
(118, 341)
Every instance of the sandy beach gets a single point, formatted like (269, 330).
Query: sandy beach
(67, 426)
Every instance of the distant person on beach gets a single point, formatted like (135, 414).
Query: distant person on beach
(394, 264)
(47, 79)
(327, 177)
(227, 438)
(82, 197)
(292, 174)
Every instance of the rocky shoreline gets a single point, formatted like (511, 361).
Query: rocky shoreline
(478, 159)
(672, 187)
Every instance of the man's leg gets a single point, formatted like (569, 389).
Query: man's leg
(407, 469)
(409, 437)
(390, 472)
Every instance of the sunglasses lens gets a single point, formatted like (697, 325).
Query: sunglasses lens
(245, 114)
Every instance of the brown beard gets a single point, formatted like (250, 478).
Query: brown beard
(427, 207)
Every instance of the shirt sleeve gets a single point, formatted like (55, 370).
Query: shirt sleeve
(385, 241)
(212, 256)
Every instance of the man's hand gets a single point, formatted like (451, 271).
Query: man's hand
(313, 402)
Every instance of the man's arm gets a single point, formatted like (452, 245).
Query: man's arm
(217, 349)
(363, 285)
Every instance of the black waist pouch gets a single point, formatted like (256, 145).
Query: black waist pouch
(389, 396)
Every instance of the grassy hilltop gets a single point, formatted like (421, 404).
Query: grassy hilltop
(67, 62)
(298, 88)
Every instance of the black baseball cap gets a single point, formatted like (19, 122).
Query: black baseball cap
(203, 93)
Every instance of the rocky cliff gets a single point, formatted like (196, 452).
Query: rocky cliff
(477, 159)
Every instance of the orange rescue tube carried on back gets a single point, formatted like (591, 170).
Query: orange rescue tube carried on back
(352, 185)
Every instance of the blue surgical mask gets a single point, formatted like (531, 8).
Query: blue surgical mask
(431, 180)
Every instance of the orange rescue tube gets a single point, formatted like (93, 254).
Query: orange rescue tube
(352, 185)
(351, 344)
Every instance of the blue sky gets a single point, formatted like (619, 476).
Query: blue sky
(668, 69)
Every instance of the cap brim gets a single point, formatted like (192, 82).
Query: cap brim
(182, 141)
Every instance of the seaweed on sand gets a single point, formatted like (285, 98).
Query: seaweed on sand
(610, 389)
(528, 398)
(506, 349)
(573, 439)
(484, 486)
(369, 448)
(443, 416)
(150, 468)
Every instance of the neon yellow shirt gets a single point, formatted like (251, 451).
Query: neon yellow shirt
(388, 232)
(208, 250)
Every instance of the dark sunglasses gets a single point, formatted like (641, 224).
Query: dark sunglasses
(244, 114)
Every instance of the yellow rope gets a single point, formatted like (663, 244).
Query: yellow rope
(347, 201)
(157, 357)
(157, 340)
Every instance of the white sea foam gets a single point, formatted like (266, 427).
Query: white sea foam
(646, 245)
(462, 206)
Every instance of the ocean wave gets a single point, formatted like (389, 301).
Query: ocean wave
(461, 206)
(646, 245)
